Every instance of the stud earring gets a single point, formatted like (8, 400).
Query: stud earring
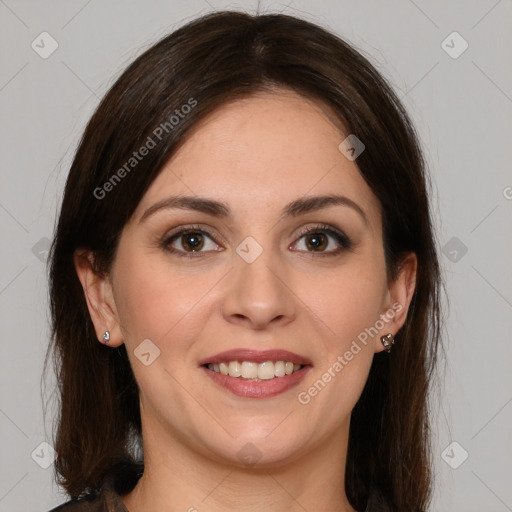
(388, 341)
(106, 336)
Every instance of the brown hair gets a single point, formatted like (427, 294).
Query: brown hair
(206, 63)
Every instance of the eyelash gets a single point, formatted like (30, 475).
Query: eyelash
(344, 241)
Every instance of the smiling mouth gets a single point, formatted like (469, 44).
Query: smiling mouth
(256, 372)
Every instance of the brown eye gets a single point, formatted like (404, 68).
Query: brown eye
(316, 242)
(192, 241)
(323, 240)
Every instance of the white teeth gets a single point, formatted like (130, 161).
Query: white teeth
(250, 370)
(266, 370)
(224, 368)
(279, 369)
(235, 369)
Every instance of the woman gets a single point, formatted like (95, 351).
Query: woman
(245, 233)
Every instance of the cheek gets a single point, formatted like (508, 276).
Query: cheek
(348, 303)
(347, 300)
(154, 301)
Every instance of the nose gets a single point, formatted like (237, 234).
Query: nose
(258, 295)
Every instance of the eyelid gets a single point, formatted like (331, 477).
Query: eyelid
(194, 228)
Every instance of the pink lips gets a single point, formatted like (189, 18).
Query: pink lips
(252, 389)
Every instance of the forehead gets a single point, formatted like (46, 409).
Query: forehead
(264, 151)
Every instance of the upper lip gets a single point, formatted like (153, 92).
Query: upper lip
(255, 356)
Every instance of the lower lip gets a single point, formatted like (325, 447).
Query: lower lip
(253, 389)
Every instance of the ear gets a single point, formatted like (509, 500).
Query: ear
(398, 298)
(99, 297)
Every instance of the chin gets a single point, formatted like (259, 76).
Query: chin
(259, 452)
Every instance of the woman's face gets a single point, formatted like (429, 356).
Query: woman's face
(264, 267)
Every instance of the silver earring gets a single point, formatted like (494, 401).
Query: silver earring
(106, 336)
(388, 341)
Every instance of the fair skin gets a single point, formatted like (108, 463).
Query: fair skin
(256, 155)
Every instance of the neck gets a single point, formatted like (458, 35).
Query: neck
(178, 478)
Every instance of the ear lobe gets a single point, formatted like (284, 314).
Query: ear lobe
(398, 298)
(99, 297)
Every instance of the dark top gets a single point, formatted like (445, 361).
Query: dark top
(107, 500)
(122, 478)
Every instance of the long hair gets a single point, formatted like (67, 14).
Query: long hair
(204, 64)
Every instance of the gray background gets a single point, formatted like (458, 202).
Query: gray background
(462, 108)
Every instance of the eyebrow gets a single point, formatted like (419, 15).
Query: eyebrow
(220, 209)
